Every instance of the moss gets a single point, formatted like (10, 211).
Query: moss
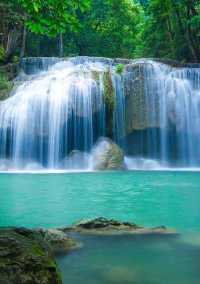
(35, 264)
(96, 76)
(109, 92)
(5, 86)
(119, 68)
(15, 59)
(2, 52)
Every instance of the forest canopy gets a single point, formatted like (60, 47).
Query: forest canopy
(110, 28)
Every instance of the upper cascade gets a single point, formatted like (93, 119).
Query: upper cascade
(60, 107)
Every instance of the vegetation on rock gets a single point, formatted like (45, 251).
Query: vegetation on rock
(5, 86)
(119, 68)
(109, 92)
(25, 258)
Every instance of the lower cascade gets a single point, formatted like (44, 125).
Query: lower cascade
(59, 109)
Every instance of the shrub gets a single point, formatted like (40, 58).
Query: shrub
(119, 68)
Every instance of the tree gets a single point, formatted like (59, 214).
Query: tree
(11, 23)
(108, 28)
(172, 30)
(50, 17)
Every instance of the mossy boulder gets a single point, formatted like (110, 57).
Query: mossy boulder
(27, 256)
(107, 155)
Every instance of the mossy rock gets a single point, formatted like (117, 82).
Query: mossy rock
(109, 92)
(119, 68)
(107, 155)
(26, 256)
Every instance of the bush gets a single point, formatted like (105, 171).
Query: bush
(5, 86)
(4, 83)
(2, 53)
(119, 68)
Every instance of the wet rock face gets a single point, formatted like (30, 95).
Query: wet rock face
(138, 111)
(107, 156)
(26, 255)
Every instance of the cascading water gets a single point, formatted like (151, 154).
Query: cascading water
(52, 114)
(57, 113)
(119, 111)
(172, 103)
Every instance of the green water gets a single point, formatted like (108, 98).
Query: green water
(147, 198)
(132, 260)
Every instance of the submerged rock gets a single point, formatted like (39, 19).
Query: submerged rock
(119, 275)
(103, 225)
(26, 256)
(57, 240)
(107, 156)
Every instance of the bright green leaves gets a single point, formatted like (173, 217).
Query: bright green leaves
(50, 17)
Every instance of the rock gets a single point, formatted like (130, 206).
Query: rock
(24, 260)
(119, 275)
(57, 240)
(110, 226)
(107, 156)
(26, 256)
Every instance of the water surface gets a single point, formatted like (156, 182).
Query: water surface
(147, 198)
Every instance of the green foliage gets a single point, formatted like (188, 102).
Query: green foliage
(15, 59)
(4, 83)
(119, 68)
(2, 53)
(171, 29)
(107, 28)
(5, 86)
(50, 17)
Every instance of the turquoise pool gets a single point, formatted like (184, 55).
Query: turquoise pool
(147, 198)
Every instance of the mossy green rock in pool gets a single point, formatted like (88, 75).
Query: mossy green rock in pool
(26, 256)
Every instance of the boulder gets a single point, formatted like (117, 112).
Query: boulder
(57, 240)
(107, 156)
(26, 256)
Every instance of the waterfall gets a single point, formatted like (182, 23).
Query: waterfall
(172, 99)
(119, 111)
(52, 113)
(58, 110)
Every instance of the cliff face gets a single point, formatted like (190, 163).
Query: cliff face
(135, 102)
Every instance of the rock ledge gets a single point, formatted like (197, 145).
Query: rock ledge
(106, 226)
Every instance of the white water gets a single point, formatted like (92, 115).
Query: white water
(53, 119)
(172, 98)
(50, 115)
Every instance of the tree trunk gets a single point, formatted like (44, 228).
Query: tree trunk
(23, 46)
(61, 45)
(185, 31)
